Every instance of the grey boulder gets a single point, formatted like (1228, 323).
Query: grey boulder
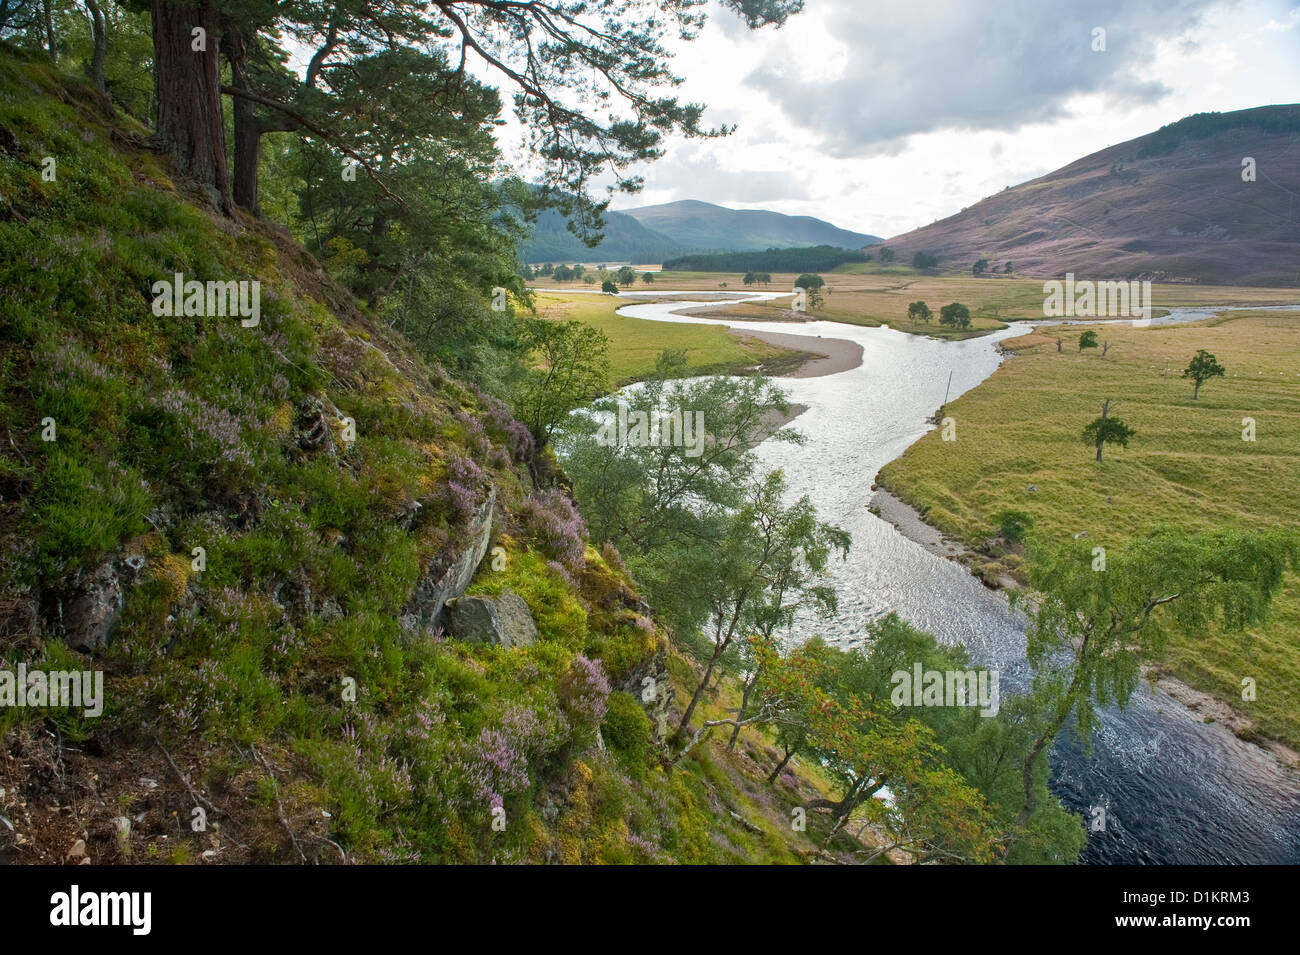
(504, 620)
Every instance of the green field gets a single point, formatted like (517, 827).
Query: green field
(1187, 465)
(873, 294)
(635, 344)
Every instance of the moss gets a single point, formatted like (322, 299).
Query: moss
(628, 732)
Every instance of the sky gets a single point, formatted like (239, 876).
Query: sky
(885, 116)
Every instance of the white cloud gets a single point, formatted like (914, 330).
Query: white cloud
(883, 117)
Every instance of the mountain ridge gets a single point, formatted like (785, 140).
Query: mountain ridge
(1174, 205)
(658, 232)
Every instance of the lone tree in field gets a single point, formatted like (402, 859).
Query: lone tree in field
(918, 311)
(1107, 430)
(886, 255)
(925, 260)
(608, 287)
(980, 266)
(648, 278)
(813, 285)
(1202, 368)
(1087, 340)
(955, 314)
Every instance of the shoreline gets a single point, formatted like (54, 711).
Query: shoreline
(827, 356)
(909, 522)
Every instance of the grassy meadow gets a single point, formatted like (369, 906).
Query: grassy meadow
(1188, 464)
(871, 294)
(635, 343)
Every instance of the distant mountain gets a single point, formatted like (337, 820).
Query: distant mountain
(626, 240)
(1170, 206)
(704, 227)
(656, 233)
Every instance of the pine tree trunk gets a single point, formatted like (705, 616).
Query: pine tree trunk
(47, 8)
(187, 82)
(101, 45)
(248, 128)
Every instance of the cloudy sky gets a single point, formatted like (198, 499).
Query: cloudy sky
(884, 116)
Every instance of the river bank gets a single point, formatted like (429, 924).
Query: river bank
(819, 357)
(1155, 764)
(909, 522)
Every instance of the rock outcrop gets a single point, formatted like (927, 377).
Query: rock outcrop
(447, 579)
(89, 611)
(651, 686)
(505, 620)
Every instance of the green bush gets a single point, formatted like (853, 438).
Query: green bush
(1013, 525)
(628, 731)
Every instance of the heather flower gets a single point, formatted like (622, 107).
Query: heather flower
(518, 439)
(551, 521)
(206, 427)
(464, 481)
(69, 362)
(584, 694)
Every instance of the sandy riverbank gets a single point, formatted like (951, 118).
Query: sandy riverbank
(830, 356)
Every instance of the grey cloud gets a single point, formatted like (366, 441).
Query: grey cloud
(927, 65)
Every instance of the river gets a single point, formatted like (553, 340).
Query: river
(1175, 789)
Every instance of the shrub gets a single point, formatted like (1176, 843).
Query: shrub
(628, 731)
(464, 482)
(584, 697)
(1013, 525)
(550, 521)
(83, 512)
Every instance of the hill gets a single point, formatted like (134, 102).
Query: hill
(626, 240)
(658, 233)
(1170, 206)
(705, 227)
(247, 525)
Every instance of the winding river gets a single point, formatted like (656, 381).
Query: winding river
(1176, 789)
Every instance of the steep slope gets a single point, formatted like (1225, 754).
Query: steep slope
(247, 525)
(1170, 206)
(705, 227)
